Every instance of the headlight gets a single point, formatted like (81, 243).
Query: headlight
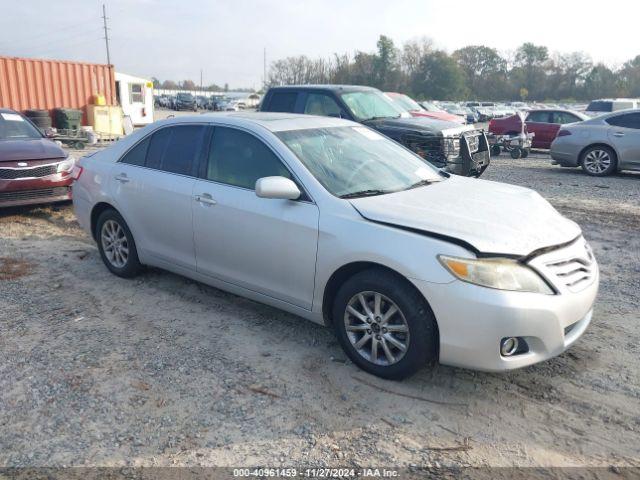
(66, 165)
(499, 273)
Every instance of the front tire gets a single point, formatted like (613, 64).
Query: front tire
(116, 245)
(384, 325)
(598, 161)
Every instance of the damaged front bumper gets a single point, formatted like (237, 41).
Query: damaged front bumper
(466, 154)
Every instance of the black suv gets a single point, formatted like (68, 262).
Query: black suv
(186, 101)
(455, 148)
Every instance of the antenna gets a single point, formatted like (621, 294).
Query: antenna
(106, 33)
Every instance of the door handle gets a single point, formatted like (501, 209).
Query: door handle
(205, 198)
(618, 134)
(122, 178)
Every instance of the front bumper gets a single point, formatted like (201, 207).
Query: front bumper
(472, 321)
(33, 191)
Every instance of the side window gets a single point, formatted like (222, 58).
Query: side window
(564, 117)
(137, 155)
(538, 117)
(136, 93)
(282, 102)
(321, 104)
(176, 149)
(629, 120)
(238, 158)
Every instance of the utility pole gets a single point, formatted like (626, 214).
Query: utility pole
(106, 33)
(264, 71)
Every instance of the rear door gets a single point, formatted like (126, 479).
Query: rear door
(624, 134)
(265, 245)
(153, 184)
(539, 123)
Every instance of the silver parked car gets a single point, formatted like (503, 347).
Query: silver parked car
(332, 221)
(601, 145)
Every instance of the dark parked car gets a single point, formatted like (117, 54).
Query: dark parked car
(185, 101)
(457, 148)
(33, 169)
(544, 124)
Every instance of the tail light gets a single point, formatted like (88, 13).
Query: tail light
(76, 172)
(564, 133)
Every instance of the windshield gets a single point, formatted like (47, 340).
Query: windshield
(370, 104)
(600, 107)
(185, 96)
(13, 126)
(406, 103)
(357, 161)
(432, 107)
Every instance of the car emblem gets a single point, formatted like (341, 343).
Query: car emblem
(22, 164)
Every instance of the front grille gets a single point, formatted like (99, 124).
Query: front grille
(32, 194)
(34, 172)
(430, 148)
(575, 272)
(473, 141)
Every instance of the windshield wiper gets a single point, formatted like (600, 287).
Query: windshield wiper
(371, 119)
(364, 193)
(421, 183)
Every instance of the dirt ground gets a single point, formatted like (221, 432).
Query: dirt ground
(160, 370)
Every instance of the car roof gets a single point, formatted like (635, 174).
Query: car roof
(336, 88)
(7, 110)
(272, 121)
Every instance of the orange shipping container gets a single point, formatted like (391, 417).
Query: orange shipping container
(27, 83)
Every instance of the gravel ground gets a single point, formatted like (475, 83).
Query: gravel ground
(160, 370)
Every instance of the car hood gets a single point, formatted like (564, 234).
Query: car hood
(424, 125)
(491, 217)
(16, 150)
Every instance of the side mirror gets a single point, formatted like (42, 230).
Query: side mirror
(277, 187)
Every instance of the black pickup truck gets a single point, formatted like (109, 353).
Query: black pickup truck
(458, 149)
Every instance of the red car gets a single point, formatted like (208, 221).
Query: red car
(545, 124)
(33, 169)
(409, 105)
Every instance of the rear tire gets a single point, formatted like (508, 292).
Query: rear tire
(406, 339)
(496, 150)
(516, 153)
(116, 245)
(598, 161)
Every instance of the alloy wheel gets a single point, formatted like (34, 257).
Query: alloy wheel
(376, 328)
(597, 161)
(114, 243)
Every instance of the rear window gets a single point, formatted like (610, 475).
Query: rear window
(600, 106)
(282, 102)
(175, 149)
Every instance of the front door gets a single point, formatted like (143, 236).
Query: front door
(265, 245)
(624, 134)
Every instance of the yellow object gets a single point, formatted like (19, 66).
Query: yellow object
(98, 99)
(105, 119)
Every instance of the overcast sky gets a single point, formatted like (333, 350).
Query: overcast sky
(225, 38)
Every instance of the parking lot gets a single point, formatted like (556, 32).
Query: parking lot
(161, 370)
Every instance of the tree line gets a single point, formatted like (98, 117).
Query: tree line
(473, 72)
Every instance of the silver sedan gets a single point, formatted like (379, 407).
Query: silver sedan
(601, 145)
(330, 220)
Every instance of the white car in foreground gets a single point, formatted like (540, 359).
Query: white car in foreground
(329, 220)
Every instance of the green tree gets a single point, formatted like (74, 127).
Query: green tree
(601, 82)
(485, 71)
(440, 77)
(385, 65)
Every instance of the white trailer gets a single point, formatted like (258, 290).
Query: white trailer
(135, 96)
